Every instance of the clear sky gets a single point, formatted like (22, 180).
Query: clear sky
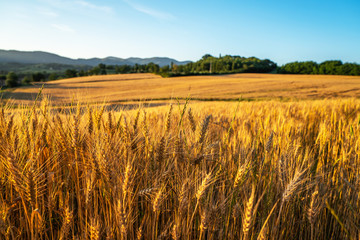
(281, 30)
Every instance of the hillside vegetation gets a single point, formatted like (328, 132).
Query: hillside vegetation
(264, 170)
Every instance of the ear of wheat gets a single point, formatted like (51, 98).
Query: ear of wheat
(248, 216)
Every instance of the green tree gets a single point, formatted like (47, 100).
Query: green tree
(165, 68)
(82, 73)
(165, 71)
(53, 76)
(152, 68)
(102, 69)
(11, 80)
(331, 67)
(38, 77)
(123, 69)
(206, 56)
(94, 71)
(26, 80)
(70, 73)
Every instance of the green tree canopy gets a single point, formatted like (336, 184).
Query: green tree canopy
(70, 73)
(11, 80)
(38, 77)
(26, 80)
(334, 67)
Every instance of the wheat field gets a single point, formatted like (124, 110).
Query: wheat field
(213, 170)
(130, 87)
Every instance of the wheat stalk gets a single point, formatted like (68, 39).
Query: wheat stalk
(265, 226)
(109, 122)
(313, 211)
(158, 199)
(293, 186)
(204, 184)
(67, 221)
(31, 189)
(123, 219)
(179, 152)
(98, 117)
(191, 120)
(161, 150)
(204, 221)
(281, 170)
(136, 120)
(240, 174)
(183, 198)
(94, 229)
(168, 120)
(16, 175)
(126, 182)
(175, 232)
(248, 216)
(269, 142)
(90, 121)
(204, 127)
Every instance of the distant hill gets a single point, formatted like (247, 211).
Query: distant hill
(38, 57)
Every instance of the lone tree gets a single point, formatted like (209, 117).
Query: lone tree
(11, 80)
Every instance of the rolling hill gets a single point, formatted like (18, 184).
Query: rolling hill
(39, 57)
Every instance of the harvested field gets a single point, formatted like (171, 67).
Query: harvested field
(134, 87)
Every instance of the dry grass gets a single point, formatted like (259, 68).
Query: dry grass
(266, 170)
(115, 88)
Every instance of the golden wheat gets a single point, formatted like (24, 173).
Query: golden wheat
(226, 171)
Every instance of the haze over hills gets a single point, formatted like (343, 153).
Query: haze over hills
(39, 57)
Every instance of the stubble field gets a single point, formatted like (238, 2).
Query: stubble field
(128, 87)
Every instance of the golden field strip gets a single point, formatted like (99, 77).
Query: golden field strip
(127, 87)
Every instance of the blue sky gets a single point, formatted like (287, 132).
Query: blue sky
(282, 31)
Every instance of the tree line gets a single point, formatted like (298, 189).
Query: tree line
(220, 65)
(205, 66)
(13, 79)
(327, 68)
